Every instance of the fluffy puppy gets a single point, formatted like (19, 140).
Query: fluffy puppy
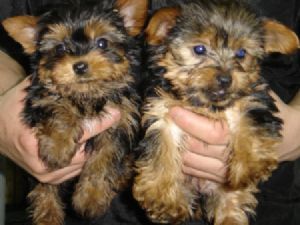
(205, 56)
(85, 57)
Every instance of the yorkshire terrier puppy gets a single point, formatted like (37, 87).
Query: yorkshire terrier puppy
(205, 56)
(85, 58)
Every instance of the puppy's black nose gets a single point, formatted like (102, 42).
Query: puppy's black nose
(80, 68)
(224, 80)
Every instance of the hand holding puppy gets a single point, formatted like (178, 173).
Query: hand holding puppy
(19, 143)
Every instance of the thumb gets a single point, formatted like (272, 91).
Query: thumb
(92, 127)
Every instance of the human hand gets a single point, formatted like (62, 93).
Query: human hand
(206, 144)
(206, 156)
(289, 148)
(18, 142)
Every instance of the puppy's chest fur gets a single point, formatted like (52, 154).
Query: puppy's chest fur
(42, 103)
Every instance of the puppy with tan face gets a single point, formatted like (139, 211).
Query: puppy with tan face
(85, 57)
(205, 56)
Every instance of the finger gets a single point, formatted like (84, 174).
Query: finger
(33, 165)
(25, 82)
(67, 177)
(214, 151)
(201, 174)
(80, 157)
(60, 174)
(21, 86)
(36, 167)
(205, 164)
(288, 156)
(66, 173)
(212, 132)
(95, 126)
(27, 143)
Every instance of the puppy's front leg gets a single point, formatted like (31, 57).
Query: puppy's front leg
(253, 158)
(108, 169)
(231, 207)
(160, 186)
(254, 140)
(46, 206)
(58, 139)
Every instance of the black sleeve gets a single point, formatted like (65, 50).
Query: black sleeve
(282, 71)
(8, 8)
(283, 74)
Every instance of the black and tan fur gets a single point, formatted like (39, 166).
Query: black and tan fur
(85, 58)
(222, 82)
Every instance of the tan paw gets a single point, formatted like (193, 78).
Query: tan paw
(92, 200)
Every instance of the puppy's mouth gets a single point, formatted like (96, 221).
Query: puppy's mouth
(87, 79)
(217, 95)
(216, 98)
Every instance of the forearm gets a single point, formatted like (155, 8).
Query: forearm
(10, 72)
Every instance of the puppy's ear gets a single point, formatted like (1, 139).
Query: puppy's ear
(160, 24)
(279, 38)
(134, 13)
(23, 30)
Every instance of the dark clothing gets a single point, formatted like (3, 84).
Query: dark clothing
(282, 73)
(279, 199)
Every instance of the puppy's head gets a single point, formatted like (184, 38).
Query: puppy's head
(82, 46)
(211, 49)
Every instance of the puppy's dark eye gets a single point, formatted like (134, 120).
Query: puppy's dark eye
(241, 53)
(102, 43)
(200, 49)
(60, 49)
